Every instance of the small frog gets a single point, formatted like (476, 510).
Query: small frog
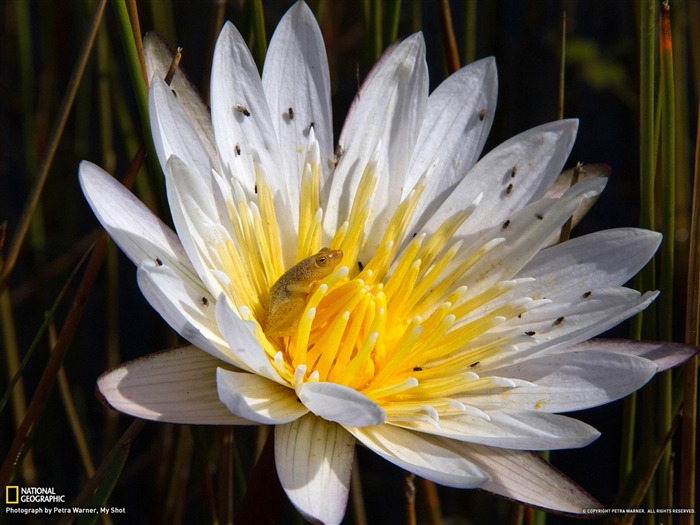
(289, 294)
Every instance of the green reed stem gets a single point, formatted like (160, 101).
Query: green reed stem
(164, 20)
(392, 21)
(133, 62)
(469, 53)
(690, 369)
(562, 67)
(642, 323)
(258, 29)
(376, 33)
(668, 155)
(449, 42)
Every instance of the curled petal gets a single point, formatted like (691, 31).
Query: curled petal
(139, 233)
(314, 463)
(515, 429)
(257, 399)
(526, 477)
(421, 454)
(578, 379)
(174, 386)
(340, 404)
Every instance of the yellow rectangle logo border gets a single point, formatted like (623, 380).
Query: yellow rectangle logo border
(8, 499)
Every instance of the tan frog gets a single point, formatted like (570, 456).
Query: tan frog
(289, 294)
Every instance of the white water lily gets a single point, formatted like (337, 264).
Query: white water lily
(451, 334)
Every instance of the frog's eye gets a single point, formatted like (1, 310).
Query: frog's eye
(322, 260)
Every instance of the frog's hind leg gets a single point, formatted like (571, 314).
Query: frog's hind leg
(283, 320)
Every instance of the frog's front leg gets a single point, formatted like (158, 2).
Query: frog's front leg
(300, 287)
(283, 320)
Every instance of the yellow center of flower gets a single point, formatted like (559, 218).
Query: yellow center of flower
(398, 327)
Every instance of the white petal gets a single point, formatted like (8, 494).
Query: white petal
(525, 477)
(574, 380)
(296, 76)
(199, 219)
(601, 259)
(242, 339)
(558, 325)
(175, 386)
(139, 233)
(257, 399)
(516, 429)
(244, 131)
(240, 113)
(665, 355)
(537, 156)
(173, 133)
(158, 59)
(340, 404)
(187, 308)
(388, 112)
(421, 454)
(314, 463)
(522, 235)
(457, 122)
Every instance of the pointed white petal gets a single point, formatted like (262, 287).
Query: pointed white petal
(314, 463)
(516, 429)
(665, 355)
(340, 404)
(522, 236)
(158, 59)
(244, 131)
(575, 380)
(173, 133)
(537, 156)
(186, 307)
(175, 386)
(601, 259)
(387, 112)
(421, 454)
(242, 338)
(457, 122)
(257, 399)
(199, 218)
(140, 234)
(559, 325)
(240, 113)
(296, 76)
(525, 477)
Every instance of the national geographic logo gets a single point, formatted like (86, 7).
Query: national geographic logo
(15, 494)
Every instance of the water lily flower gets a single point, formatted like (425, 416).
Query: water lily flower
(449, 331)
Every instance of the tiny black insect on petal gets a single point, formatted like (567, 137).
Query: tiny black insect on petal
(417, 368)
(530, 333)
(242, 109)
(586, 295)
(205, 301)
(509, 189)
(539, 216)
(482, 113)
(159, 262)
(505, 225)
(558, 321)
